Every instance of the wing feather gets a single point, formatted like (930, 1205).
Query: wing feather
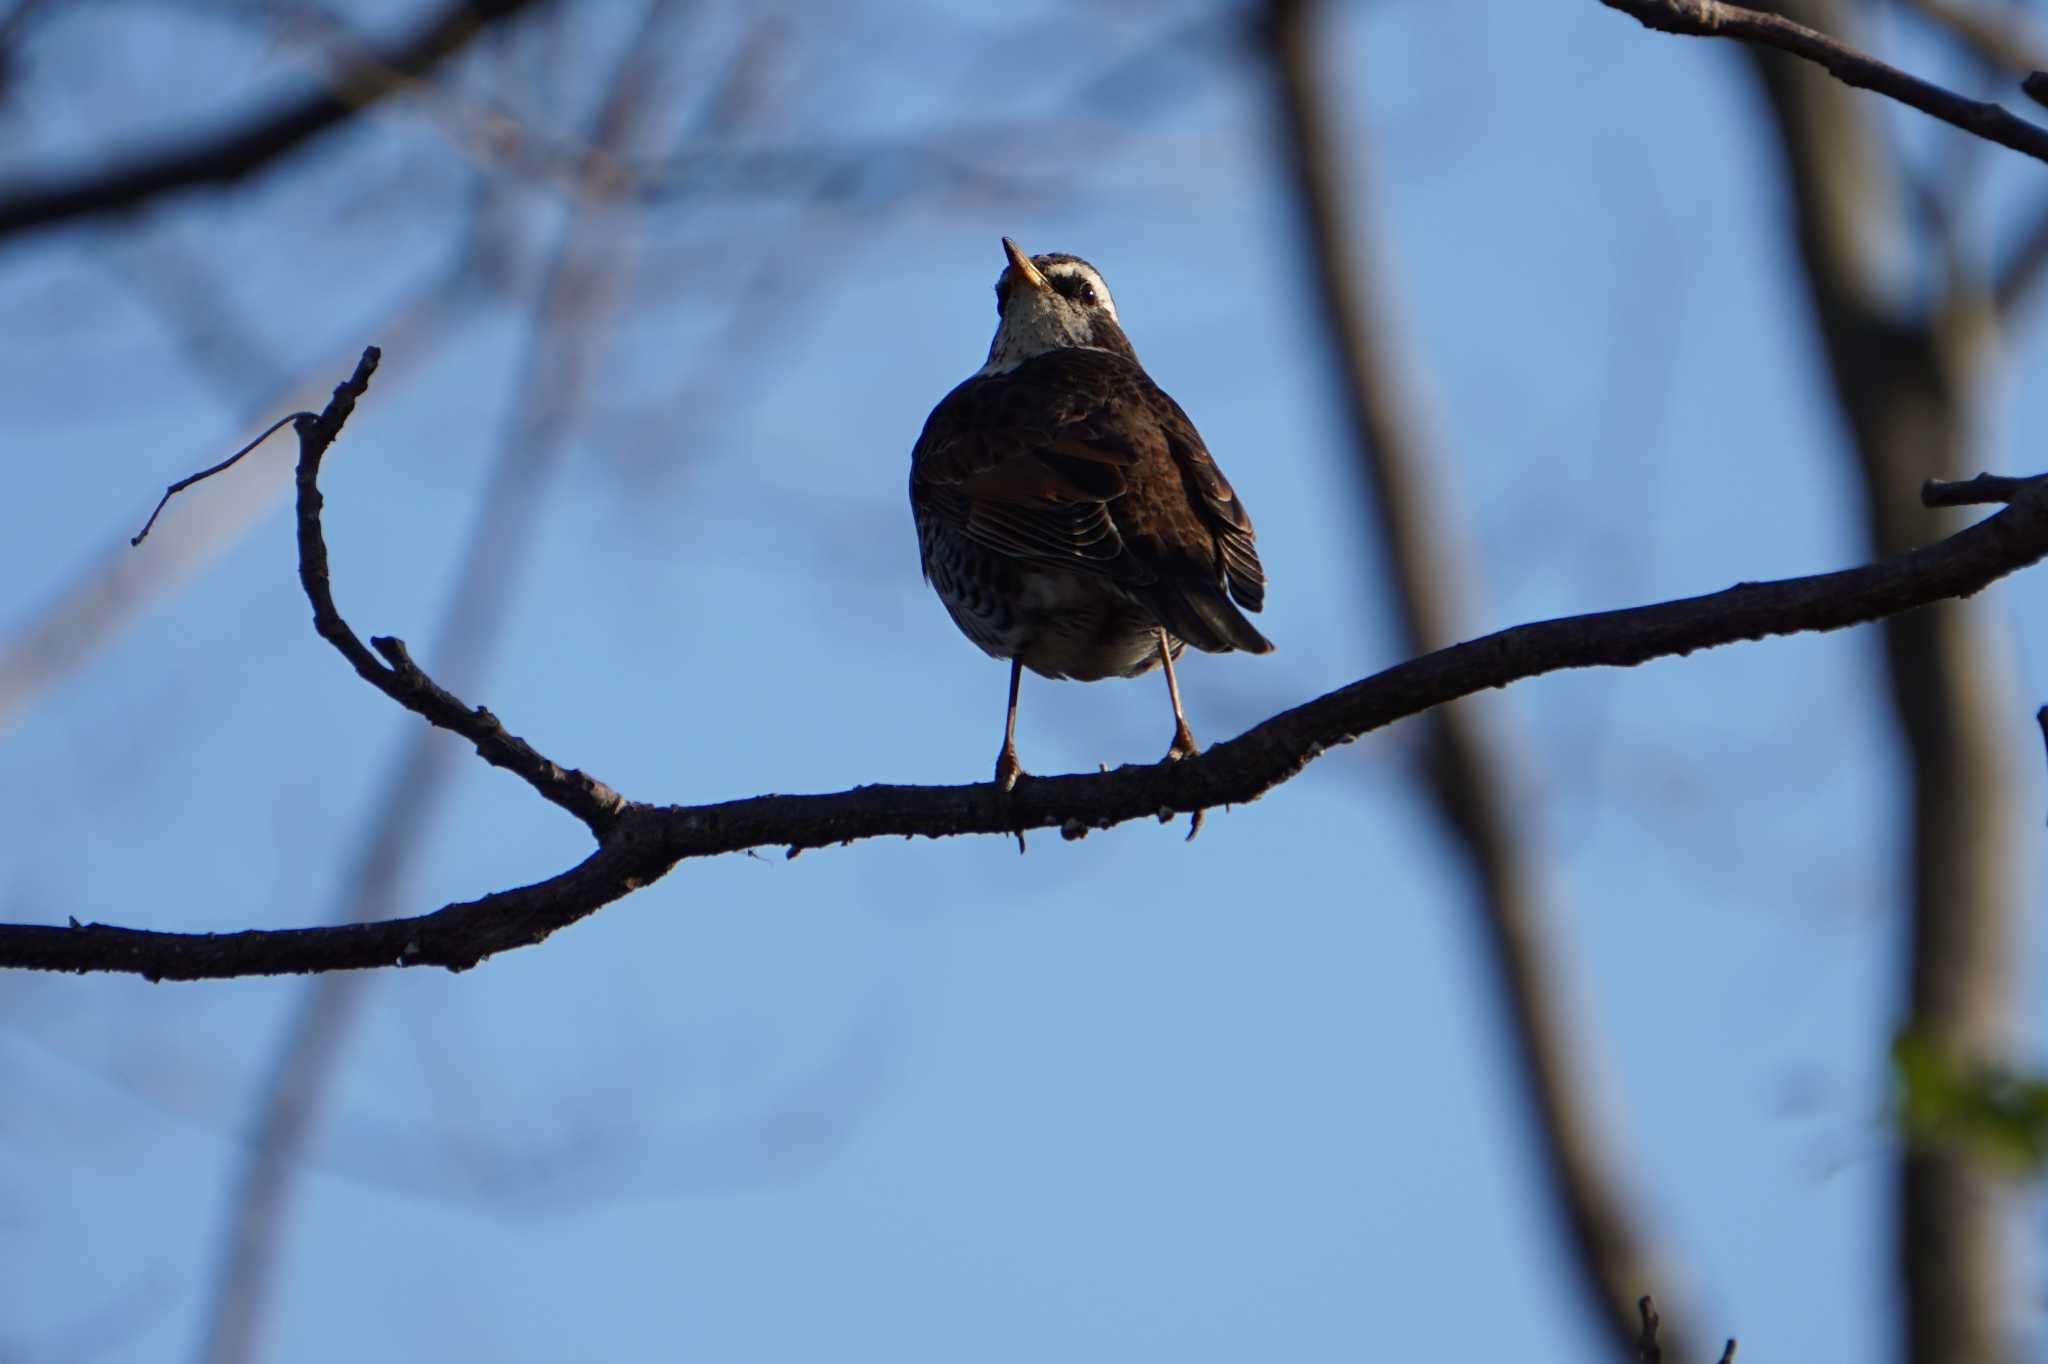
(1077, 459)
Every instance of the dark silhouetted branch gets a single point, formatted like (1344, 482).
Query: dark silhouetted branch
(397, 676)
(638, 843)
(258, 142)
(1470, 768)
(1715, 19)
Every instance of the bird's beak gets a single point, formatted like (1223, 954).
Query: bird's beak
(1025, 270)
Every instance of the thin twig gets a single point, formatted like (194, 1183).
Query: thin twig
(1716, 19)
(221, 467)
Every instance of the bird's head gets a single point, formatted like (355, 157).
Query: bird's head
(1048, 303)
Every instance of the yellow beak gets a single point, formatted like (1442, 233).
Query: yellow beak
(1023, 268)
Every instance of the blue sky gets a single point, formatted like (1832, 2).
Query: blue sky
(1122, 1098)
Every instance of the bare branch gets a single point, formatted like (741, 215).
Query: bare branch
(220, 158)
(639, 843)
(589, 800)
(1716, 19)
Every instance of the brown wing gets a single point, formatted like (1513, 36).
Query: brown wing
(1076, 458)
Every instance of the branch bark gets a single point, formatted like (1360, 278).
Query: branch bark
(640, 842)
(256, 143)
(1470, 772)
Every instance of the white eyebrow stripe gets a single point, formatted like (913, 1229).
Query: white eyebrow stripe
(1069, 269)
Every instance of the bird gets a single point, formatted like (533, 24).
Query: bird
(1069, 516)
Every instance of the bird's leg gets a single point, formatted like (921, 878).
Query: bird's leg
(1008, 769)
(1184, 745)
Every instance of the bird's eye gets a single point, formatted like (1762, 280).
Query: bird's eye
(1087, 295)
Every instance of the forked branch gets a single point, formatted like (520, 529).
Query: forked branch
(639, 842)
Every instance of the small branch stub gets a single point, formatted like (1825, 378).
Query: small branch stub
(1983, 490)
(1648, 1350)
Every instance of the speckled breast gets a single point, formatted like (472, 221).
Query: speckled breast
(1059, 624)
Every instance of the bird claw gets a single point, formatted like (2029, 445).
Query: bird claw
(1184, 746)
(1008, 770)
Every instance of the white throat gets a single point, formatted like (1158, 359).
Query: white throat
(1027, 333)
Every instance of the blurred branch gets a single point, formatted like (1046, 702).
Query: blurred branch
(639, 843)
(1907, 374)
(2001, 35)
(259, 140)
(1716, 19)
(2022, 271)
(1470, 766)
(579, 289)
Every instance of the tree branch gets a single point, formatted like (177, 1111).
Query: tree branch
(1716, 19)
(221, 158)
(584, 797)
(638, 843)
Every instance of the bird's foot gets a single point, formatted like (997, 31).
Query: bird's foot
(1184, 746)
(1008, 770)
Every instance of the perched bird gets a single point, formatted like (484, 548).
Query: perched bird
(1067, 512)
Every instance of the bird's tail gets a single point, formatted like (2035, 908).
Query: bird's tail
(1210, 622)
